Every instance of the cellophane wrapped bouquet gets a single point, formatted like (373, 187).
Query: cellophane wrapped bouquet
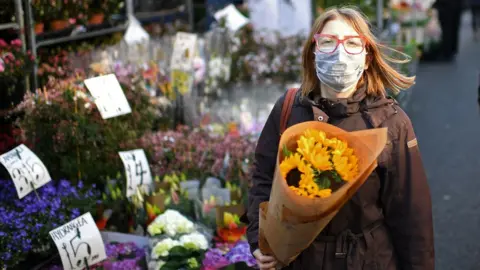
(176, 242)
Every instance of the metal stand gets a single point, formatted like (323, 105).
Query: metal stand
(34, 45)
(20, 26)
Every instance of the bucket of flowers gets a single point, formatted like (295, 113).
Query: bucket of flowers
(176, 242)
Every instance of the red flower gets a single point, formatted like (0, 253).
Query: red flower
(16, 42)
(231, 235)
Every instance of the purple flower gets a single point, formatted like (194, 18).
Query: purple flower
(215, 258)
(35, 215)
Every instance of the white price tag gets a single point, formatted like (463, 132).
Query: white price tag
(79, 243)
(108, 95)
(27, 171)
(137, 170)
(234, 19)
(183, 52)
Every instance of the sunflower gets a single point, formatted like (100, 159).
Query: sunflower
(346, 167)
(320, 158)
(324, 193)
(318, 136)
(305, 146)
(291, 162)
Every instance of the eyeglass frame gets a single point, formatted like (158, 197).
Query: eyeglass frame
(339, 41)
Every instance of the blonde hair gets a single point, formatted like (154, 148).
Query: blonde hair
(379, 75)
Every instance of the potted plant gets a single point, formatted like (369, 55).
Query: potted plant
(97, 10)
(40, 11)
(14, 65)
(65, 12)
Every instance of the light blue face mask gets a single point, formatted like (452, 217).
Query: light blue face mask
(339, 70)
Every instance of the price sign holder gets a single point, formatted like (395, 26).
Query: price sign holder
(137, 170)
(79, 243)
(27, 171)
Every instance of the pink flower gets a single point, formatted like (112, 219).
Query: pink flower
(3, 43)
(2, 68)
(16, 42)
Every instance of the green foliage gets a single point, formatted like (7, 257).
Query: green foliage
(69, 135)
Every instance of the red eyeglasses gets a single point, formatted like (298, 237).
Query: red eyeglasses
(330, 43)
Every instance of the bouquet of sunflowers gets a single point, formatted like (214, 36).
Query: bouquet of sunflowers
(323, 163)
(319, 167)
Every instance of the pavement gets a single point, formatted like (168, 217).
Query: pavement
(446, 117)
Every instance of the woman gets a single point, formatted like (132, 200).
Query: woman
(387, 224)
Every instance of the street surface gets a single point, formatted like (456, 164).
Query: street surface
(446, 117)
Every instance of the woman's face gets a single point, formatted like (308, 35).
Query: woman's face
(353, 59)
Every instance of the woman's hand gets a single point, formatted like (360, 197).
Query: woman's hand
(265, 262)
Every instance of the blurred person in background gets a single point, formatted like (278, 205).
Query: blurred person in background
(449, 15)
(475, 9)
(387, 224)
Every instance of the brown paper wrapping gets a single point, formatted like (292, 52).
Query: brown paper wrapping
(289, 223)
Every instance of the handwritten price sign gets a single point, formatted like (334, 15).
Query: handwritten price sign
(79, 243)
(27, 171)
(183, 51)
(108, 95)
(136, 169)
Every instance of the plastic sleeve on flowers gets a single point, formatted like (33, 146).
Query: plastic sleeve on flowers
(407, 202)
(264, 168)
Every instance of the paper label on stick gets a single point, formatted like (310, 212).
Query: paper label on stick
(183, 52)
(137, 169)
(79, 243)
(233, 18)
(108, 96)
(27, 171)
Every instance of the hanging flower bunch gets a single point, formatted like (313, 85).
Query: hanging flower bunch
(322, 163)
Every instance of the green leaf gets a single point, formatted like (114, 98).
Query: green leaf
(286, 152)
(336, 177)
(322, 182)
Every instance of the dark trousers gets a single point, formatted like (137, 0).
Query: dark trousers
(450, 23)
(475, 17)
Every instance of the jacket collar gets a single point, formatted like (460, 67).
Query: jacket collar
(378, 109)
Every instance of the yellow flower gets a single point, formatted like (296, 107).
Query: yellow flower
(289, 163)
(324, 193)
(318, 136)
(347, 170)
(320, 158)
(305, 146)
(339, 147)
(306, 177)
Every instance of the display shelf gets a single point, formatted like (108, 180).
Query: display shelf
(59, 37)
(83, 35)
(6, 26)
